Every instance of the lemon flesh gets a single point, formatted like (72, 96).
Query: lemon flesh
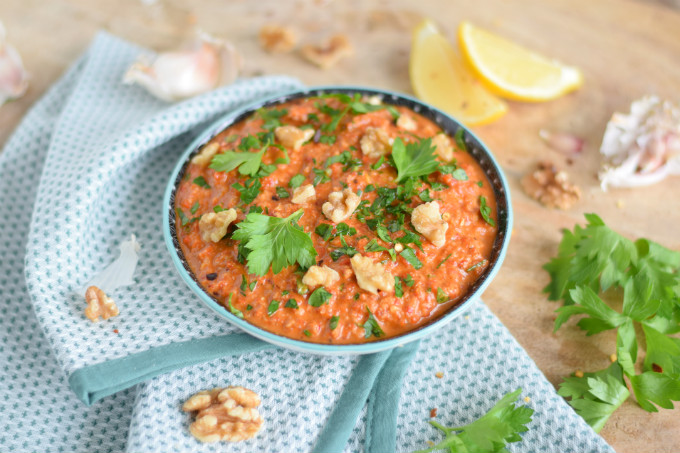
(439, 77)
(512, 71)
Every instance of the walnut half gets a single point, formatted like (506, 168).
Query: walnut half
(428, 221)
(293, 137)
(303, 194)
(99, 304)
(320, 276)
(551, 187)
(224, 414)
(328, 53)
(371, 276)
(276, 38)
(205, 156)
(340, 205)
(375, 142)
(213, 225)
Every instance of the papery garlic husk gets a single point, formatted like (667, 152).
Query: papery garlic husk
(563, 142)
(642, 147)
(13, 76)
(206, 64)
(120, 272)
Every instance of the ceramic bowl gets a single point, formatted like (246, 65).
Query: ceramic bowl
(449, 124)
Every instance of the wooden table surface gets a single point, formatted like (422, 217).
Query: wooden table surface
(625, 49)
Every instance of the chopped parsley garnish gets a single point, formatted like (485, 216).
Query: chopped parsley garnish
(503, 424)
(425, 196)
(343, 157)
(271, 117)
(249, 307)
(319, 297)
(324, 230)
(475, 266)
(344, 250)
(291, 303)
(414, 159)
(218, 208)
(274, 242)
(459, 174)
(444, 260)
(343, 229)
(201, 182)
(273, 306)
(480, 183)
(460, 139)
(307, 333)
(234, 311)
(244, 284)
(442, 297)
(186, 221)
(334, 322)
(195, 207)
(394, 112)
(248, 162)
(642, 280)
(409, 281)
(296, 181)
(398, 289)
(320, 176)
(410, 256)
(371, 326)
(249, 190)
(369, 188)
(485, 211)
(379, 163)
(282, 193)
(327, 139)
(357, 296)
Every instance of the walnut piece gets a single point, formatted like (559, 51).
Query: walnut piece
(551, 187)
(329, 52)
(213, 226)
(293, 137)
(407, 123)
(320, 276)
(99, 304)
(340, 205)
(428, 221)
(224, 414)
(375, 142)
(276, 38)
(371, 276)
(205, 156)
(303, 194)
(444, 147)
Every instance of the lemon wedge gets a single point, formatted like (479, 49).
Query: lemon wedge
(439, 77)
(512, 71)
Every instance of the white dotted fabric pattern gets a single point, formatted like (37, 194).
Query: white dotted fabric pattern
(104, 178)
(39, 411)
(113, 144)
(480, 360)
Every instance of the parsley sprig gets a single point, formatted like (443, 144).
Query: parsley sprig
(274, 242)
(414, 159)
(248, 162)
(491, 433)
(593, 260)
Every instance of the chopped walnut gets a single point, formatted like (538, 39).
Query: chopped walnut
(205, 156)
(320, 276)
(293, 137)
(407, 123)
(444, 147)
(99, 304)
(371, 276)
(551, 187)
(303, 194)
(372, 100)
(213, 226)
(375, 142)
(224, 414)
(340, 205)
(328, 53)
(276, 38)
(428, 221)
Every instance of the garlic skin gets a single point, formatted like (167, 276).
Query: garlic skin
(172, 76)
(120, 272)
(563, 142)
(13, 76)
(642, 147)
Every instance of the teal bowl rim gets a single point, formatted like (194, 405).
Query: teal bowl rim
(450, 125)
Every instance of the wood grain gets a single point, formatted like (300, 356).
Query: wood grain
(626, 50)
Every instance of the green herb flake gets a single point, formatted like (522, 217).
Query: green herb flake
(442, 297)
(328, 139)
(195, 207)
(460, 139)
(334, 322)
(234, 311)
(425, 196)
(459, 174)
(282, 193)
(324, 230)
(291, 303)
(184, 220)
(444, 260)
(475, 266)
(357, 296)
(249, 307)
(394, 112)
(485, 211)
(480, 183)
(249, 190)
(398, 290)
(409, 281)
(319, 297)
(218, 208)
(320, 176)
(201, 182)
(296, 181)
(410, 256)
(307, 333)
(273, 306)
(379, 163)
(372, 327)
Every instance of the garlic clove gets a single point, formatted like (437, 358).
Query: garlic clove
(562, 141)
(181, 74)
(13, 76)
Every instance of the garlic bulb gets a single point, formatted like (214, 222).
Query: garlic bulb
(13, 76)
(642, 147)
(205, 65)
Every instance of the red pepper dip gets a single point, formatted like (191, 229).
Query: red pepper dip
(336, 219)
